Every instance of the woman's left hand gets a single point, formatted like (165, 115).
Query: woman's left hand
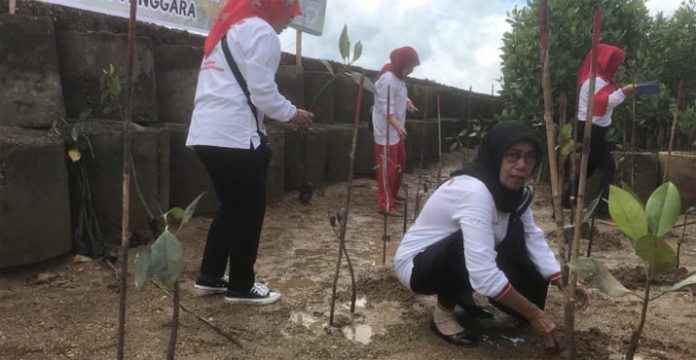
(411, 108)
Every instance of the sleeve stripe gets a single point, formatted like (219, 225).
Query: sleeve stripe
(503, 292)
(555, 276)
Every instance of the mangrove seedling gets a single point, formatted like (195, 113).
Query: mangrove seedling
(645, 226)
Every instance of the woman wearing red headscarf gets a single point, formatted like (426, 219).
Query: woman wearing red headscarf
(236, 89)
(389, 124)
(607, 97)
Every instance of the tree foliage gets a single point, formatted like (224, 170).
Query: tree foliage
(659, 48)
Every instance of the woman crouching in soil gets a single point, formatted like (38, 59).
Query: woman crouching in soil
(476, 233)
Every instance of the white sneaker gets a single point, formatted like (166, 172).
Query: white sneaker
(259, 294)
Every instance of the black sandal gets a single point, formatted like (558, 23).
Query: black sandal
(463, 338)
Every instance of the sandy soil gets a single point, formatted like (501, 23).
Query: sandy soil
(67, 309)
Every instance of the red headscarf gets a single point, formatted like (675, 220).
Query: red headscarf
(235, 11)
(401, 59)
(609, 59)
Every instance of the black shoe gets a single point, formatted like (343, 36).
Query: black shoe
(259, 294)
(206, 286)
(463, 338)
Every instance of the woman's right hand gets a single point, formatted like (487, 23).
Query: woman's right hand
(402, 133)
(546, 329)
(629, 89)
(303, 119)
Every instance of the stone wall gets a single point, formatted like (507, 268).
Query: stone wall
(51, 62)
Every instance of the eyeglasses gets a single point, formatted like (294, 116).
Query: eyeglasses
(514, 155)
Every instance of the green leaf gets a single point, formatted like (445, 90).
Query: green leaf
(328, 66)
(142, 270)
(597, 275)
(357, 51)
(627, 187)
(654, 251)
(167, 258)
(691, 280)
(663, 208)
(174, 217)
(75, 155)
(627, 213)
(344, 43)
(369, 85)
(190, 210)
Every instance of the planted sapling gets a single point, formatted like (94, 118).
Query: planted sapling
(645, 226)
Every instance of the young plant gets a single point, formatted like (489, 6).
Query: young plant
(344, 49)
(645, 226)
(87, 238)
(164, 259)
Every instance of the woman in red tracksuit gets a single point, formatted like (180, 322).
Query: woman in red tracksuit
(389, 121)
(607, 97)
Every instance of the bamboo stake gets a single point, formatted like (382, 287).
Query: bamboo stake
(385, 182)
(416, 207)
(344, 223)
(125, 215)
(439, 142)
(674, 131)
(548, 112)
(468, 123)
(298, 48)
(580, 200)
(633, 138)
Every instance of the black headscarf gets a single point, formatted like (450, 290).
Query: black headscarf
(486, 165)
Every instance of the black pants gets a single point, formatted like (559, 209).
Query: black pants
(239, 178)
(600, 156)
(441, 270)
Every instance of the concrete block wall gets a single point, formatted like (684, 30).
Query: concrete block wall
(34, 202)
(51, 66)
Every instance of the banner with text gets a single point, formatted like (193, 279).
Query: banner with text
(193, 15)
(312, 19)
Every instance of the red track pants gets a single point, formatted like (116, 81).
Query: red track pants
(396, 163)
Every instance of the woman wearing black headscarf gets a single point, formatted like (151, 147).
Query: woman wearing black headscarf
(476, 233)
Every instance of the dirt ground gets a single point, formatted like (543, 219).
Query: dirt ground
(67, 309)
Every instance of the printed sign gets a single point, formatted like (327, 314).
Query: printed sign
(196, 16)
(312, 19)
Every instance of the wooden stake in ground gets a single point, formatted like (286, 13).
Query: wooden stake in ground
(439, 143)
(346, 212)
(674, 131)
(468, 124)
(548, 112)
(580, 200)
(416, 207)
(385, 183)
(298, 48)
(125, 214)
(13, 6)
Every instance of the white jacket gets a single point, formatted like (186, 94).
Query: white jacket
(221, 115)
(616, 98)
(397, 106)
(465, 203)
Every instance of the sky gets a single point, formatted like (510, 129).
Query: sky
(458, 41)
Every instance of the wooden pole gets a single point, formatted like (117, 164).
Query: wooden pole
(674, 130)
(468, 123)
(580, 200)
(125, 214)
(439, 143)
(298, 48)
(13, 6)
(385, 183)
(548, 112)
